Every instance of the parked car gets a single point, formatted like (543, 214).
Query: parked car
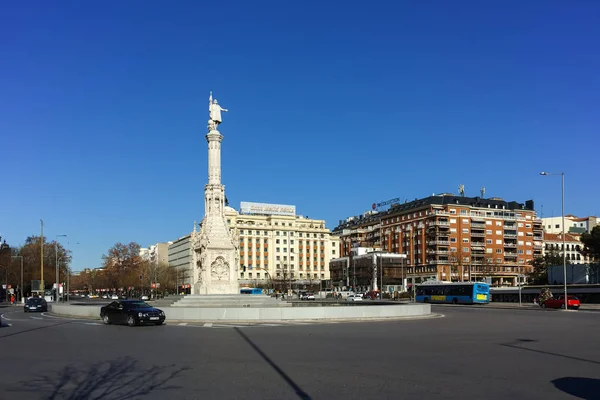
(34, 304)
(114, 297)
(354, 297)
(572, 302)
(144, 297)
(307, 296)
(132, 313)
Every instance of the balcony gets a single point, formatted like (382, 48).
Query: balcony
(438, 252)
(478, 224)
(539, 238)
(439, 242)
(510, 235)
(477, 234)
(441, 223)
(511, 245)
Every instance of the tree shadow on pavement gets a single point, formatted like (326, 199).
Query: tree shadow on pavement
(584, 388)
(119, 379)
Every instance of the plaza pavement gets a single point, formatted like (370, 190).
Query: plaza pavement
(484, 353)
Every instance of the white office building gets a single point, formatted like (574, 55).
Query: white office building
(573, 224)
(277, 244)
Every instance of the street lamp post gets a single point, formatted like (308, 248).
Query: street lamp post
(56, 264)
(564, 247)
(21, 287)
(519, 277)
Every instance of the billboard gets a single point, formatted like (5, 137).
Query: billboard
(267, 209)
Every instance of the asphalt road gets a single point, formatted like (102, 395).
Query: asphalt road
(469, 353)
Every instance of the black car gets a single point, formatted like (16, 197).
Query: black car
(34, 304)
(132, 313)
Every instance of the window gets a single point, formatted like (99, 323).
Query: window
(465, 250)
(452, 230)
(488, 232)
(498, 241)
(557, 226)
(465, 230)
(452, 211)
(488, 241)
(277, 241)
(277, 250)
(498, 223)
(521, 243)
(498, 260)
(488, 222)
(498, 232)
(489, 251)
(465, 240)
(453, 240)
(498, 251)
(465, 221)
(452, 220)
(463, 212)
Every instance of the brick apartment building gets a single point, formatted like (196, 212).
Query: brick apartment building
(452, 238)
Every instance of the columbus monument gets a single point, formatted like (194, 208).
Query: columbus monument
(215, 248)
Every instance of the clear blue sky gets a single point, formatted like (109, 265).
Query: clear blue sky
(333, 106)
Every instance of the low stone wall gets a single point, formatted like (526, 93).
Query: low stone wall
(86, 311)
(267, 314)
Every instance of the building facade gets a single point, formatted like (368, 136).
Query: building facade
(368, 269)
(157, 253)
(455, 238)
(181, 258)
(277, 244)
(573, 224)
(553, 242)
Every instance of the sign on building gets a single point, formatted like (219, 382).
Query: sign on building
(267, 209)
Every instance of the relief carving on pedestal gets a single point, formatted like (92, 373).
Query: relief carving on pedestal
(220, 270)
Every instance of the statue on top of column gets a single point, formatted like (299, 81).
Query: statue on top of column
(214, 110)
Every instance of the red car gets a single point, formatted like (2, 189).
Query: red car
(572, 302)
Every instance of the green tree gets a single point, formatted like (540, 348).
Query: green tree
(539, 275)
(591, 244)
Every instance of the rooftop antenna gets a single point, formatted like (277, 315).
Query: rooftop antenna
(461, 190)
(482, 191)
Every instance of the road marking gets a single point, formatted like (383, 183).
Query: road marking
(208, 325)
(2, 316)
(36, 317)
(183, 324)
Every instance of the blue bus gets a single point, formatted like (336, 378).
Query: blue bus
(454, 293)
(251, 291)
